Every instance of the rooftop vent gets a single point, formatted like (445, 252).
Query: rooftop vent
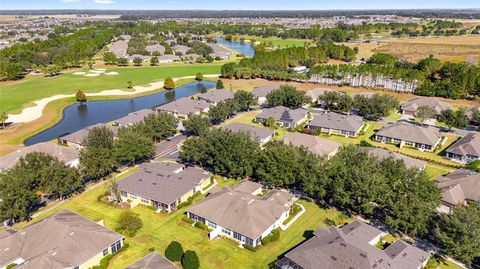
(333, 258)
(363, 255)
(154, 183)
(343, 244)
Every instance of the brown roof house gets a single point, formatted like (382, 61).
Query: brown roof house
(239, 214)
(314, 144)
(67, 154)
(284, 116)
(263, 135)
(409, 161)
(76, 138)
(215, 96)
(163, 185)
(261, 93)
(425, 138)
(64, 240)
(409, 108)
(352, 246)
(134, 117)
(153, 261)
(458, 188)
(184, 107)
(466, 149)
(337, 124)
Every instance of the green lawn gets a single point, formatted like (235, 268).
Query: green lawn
(278, 42)
(16, 95)
(160, 229)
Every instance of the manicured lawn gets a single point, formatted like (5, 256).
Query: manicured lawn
(278, 42)
(16, 95)
(436, 170)
(446, 264)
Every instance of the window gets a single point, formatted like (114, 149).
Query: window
(145, 200)
(237, 236)
(116, 246)
(249, 241)
(133, 196)
(226, 231)
(105, 252)
(212, 225)
(123, 193)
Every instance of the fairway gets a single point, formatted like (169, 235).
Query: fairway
(18, 94)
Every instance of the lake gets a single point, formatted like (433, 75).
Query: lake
(76, 116)
(244, 48)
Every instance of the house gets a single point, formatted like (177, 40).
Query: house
(409, 162)
(119, 48)
(458, 188)
(284, 116)
(69, 155)
(263, 135)
(336, 123)
(425, 138)
(168, 58)
(216, 96)
(240, 215)
(181, 49)
(155, 48)
(162, 185)
(261, 93)
(184, 107)
(465, 150)
(144, 58)
(134, 117)
(410, 108)
(153, 261)
(316, 93)
(77, 138)
(315, 144)
(352, 246)
(219, 52)
(64, 240)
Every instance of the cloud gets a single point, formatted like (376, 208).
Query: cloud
(103, 2)
(69, 1)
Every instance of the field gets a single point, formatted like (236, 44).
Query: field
(277, 42)
(19, 94)
(160, 229)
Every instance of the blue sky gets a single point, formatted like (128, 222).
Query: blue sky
(236, 4)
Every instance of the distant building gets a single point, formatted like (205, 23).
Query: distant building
(284, 116)
(410, 108)
(336, 123)
(425, 138)
(315, 144)
(184, 107)
(216, 96)
(263, 135)
(77, 138)
(458, 188)
(352, 246)
(465, 150)
(261, 93)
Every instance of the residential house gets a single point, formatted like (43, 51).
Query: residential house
(352, 246)
(220, 52)
(77, 138)
(284, 116)
(144, 58)
(181, 49)
(410, 108)
(458, 188)
(155, 48)
(162, 185)
(409, 162)
(315, 144)
(184, 107)
(168, 58)
(240, 215)
(64, 240)
(335, 123)
(134, 117)
(261, 93)
(119, 48)
(425, 138)
(67, 154)
(216, 96)
(465, 150)
(262, 135)
(153, 261)
(316, 93)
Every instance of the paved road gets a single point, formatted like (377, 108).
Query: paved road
(169, 148)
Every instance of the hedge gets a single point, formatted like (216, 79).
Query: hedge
(188, 220)
(186, 203)
(10, 266)
(106, 260)
(174, 251)
(201, 225)
(274, 236)
(250, 247)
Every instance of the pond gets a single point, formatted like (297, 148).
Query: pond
(244, 48)
(76, 116)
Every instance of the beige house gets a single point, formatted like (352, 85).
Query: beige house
(184, 107)
(458, 188)
(77, 138)
(64, 240)
(424, 138)
(336, 124)
(410, 108)
(314, 144)
(262, 135)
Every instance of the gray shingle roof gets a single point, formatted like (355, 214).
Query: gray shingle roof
(239, 211)
(409, 161)
(255, 132)
(262, 91)
(285, 114)
(459, 185)
(184, 106)
(134, 117)
(469, 144)
(155, 48)
(432, 102)
(332, 120)
(153, 261)
(78, 136)
(63, 153)
(317, 92)
(404, 131)
(63, 240)
(216, 96)
(163, 182)
(314, 144)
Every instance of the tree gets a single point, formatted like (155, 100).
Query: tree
(287, 96)
(382, 59)
(81, 97)
(458, 233)
(3, 118)
(110, 58)
(133, 146)
(219, 84)
(122, 62)
(270, 122)
(190, 260)
(376, 106)
(154, 61)
(159, 126)
(97, 157)
(196, 124)
(169, 84)
(474, 166)
(244, 100)
(199, 77)
(129, 84)
(137, 61)
(222, 111)
(18, 199)
(129, 223)
(425, 112)
(174, 251)
(457, 119)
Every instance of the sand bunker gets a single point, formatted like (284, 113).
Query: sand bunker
(111, 73)
(100, 69)
(97, 71)
(79, 73)
(91, 75)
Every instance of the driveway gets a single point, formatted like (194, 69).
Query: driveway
(169, 148)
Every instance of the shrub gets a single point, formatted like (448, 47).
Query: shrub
(201, 225)
(190, 260)
(152, 249)
(100, 197)
(275, 235)
(474, 166)
(250, 247)
(365, 143)
(129, 223)
(106, 260)
(186, 203)
(174, 251)
(266, 240)
(10, 266)
(188, 220)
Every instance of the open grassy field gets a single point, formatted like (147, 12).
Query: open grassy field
(278, 42)
(160, 229)
(18, 94)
